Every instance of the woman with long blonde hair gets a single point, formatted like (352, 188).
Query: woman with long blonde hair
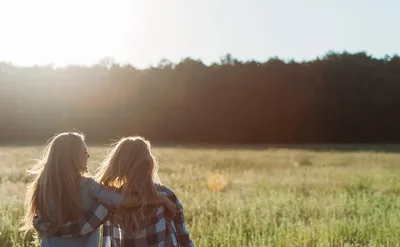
(61, 193)
(131, 169)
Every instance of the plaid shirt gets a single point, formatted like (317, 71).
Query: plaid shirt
(90, 221)
(160, 231)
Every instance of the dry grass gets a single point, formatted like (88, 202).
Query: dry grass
(273, 197)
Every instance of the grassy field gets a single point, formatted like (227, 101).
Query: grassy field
(273, 196)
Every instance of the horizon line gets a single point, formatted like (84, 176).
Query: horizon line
(110, 60)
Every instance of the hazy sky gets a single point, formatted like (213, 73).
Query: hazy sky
(143, 32)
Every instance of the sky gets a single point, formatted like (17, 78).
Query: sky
(141, 33)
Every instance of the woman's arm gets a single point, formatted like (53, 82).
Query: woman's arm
(113, 199)
(104, 195)
(183, 235)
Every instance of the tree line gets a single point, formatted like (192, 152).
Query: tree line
(338, 98)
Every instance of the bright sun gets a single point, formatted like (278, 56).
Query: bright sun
(63, 32)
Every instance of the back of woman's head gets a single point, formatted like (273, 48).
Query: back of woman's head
(63, 155)
(54, 193)
(130, 167)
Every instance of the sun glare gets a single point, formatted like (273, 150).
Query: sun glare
(217, 182)
(62, 32)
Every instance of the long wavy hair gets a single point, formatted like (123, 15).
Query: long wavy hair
(55, 190)
(131, 169)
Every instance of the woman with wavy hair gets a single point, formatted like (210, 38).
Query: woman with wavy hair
(61, 193)
(131, 169)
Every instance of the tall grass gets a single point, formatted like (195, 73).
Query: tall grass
(274, 197)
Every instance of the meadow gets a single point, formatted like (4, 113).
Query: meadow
(270, 196)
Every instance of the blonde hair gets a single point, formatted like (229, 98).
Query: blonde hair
(55, 190)
(131, 169)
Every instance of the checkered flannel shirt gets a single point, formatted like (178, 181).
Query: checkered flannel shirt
(160, 231)
(91, 220)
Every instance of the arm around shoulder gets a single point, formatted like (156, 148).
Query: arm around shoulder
(104, 195)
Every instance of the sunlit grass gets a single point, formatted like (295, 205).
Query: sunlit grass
(260, 197)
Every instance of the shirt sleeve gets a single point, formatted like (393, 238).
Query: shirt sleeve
(104, 195)
(183, 235)
(89, 222)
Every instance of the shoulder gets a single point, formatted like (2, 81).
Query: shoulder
(164, 190)
(89, 183)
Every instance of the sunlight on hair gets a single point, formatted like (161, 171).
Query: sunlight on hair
(217, 182)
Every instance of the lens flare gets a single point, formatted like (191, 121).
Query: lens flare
(217, 182)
